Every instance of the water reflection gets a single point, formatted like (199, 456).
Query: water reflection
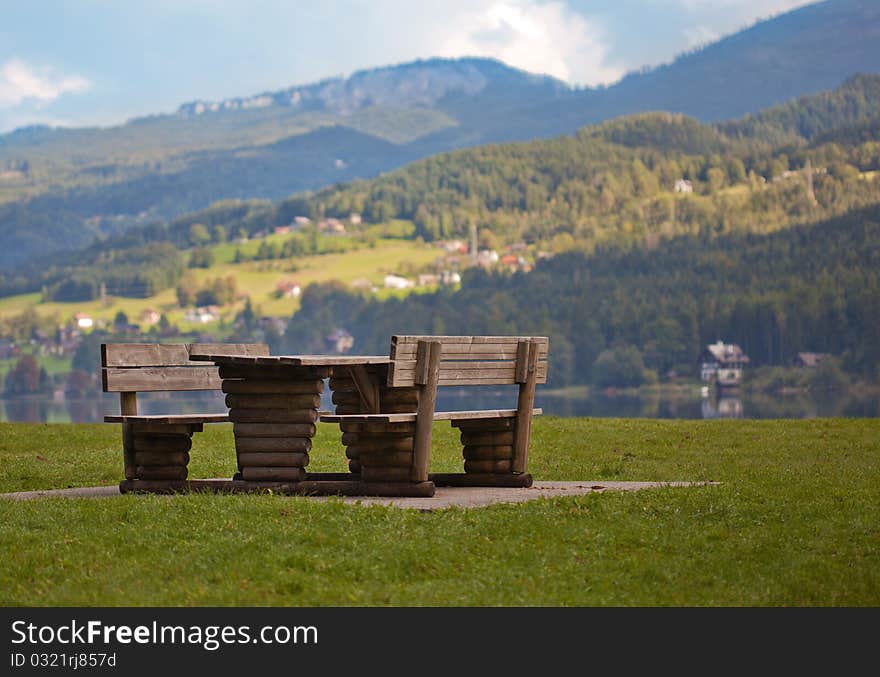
(687, 404)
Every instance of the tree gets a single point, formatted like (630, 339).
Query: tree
(87, 356)
(621, 367)
(201, 257)
(26, 377)
(715, 176)
(828, 376)
(198, 235)
(218, 234)
(79, 382)
(247, 317)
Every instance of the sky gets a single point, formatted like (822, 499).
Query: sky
(101, 62)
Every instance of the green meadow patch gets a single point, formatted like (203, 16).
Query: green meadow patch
(796, 521)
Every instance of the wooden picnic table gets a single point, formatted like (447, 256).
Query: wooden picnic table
(274, 405)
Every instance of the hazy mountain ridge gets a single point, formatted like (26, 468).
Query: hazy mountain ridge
(423, 83)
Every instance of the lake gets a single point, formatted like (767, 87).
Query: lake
(687, 404)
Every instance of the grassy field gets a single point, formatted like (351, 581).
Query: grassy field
(795, 522)
(256, 278)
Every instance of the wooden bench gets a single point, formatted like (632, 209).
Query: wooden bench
(156, 447)
(392, 442)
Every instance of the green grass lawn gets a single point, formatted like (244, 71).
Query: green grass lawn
(796, 521)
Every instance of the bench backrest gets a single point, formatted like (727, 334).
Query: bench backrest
(150, 367)
(469, 360)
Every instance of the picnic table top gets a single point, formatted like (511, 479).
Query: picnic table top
(294, 360)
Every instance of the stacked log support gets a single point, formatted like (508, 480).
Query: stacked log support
(273, 415)
(378, 451)
(161, 452)
(487, 445)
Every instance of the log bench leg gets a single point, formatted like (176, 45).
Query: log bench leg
(380, 453)
(273, 414)
(487, 447)
(348, 400)
(160, 452)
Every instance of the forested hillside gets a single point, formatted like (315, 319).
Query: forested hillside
(629, 182)
(810, 288)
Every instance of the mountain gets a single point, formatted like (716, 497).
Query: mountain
(807, 50)
(629, 182)
(62, 188)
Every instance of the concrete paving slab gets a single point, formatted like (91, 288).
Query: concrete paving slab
(445, 497)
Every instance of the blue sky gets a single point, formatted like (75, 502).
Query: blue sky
(100, 62)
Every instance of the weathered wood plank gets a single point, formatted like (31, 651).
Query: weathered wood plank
(164, 443)
(438, 416)
(165, 429)
(274, 429)
(196, 350)
(128, 407)
(161, 458)
(489, 425)
(399, 340)
(452, 351)
(271, 387)
(270, 473)
(272, 373)
(377, 442)
(486, 439)
(487, 466)
(273, 401)
(525, 400)
(144, 354)
(408, 396)
(150, 379)
(170, 354)
(385, 474)
(367, 388)
(428, 371)
(480, 413)
(173, 419)
(273, 415)
(325, 361)
(402, 377)
(480, 480)
(386, 418)
(387, 459)
(360, 449)
(161, 472)
(402, 408)
(377, 427)
(522, 362)
(245, 445)
(488, 453)
(269, 459)
(342, 385)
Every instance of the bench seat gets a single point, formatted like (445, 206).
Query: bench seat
(438, 416)
(170, 419)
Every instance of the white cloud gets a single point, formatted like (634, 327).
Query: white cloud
(751, 7)
(698, 36)
(21, 82)
(538, 37)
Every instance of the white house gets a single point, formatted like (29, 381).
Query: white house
(83, 321)
(723, 363)
(684, 186)
(397, 282)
